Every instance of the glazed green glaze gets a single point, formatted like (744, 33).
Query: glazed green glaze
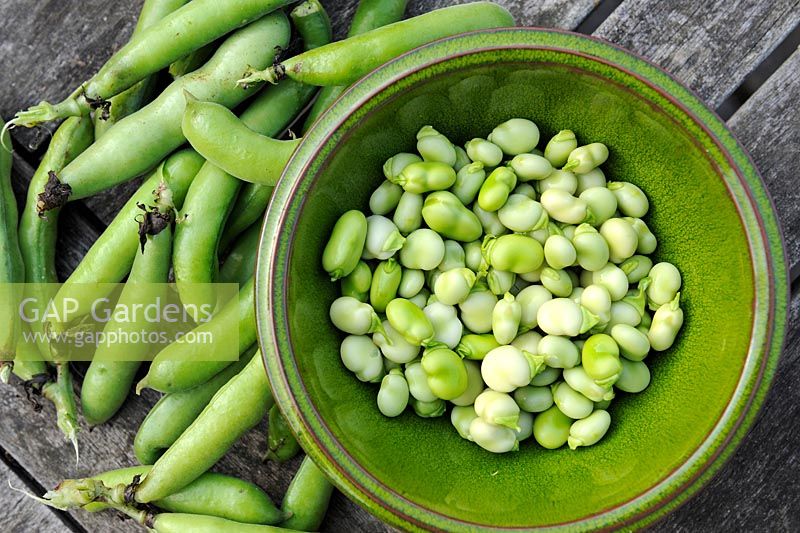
(709, 209)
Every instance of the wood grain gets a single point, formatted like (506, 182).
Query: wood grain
(759, 488)
(711, 46)
(768, 124)
(49, 48)
(20, 513)
(548, 13)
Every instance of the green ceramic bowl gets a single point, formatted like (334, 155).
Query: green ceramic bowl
(713, 219)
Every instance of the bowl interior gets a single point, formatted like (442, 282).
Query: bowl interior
(411, 462)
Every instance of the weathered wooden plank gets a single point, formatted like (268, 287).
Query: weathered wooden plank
(49, 48)
(20, 513)
(758, 489)
(711, 46)
(38, 446)
(769, 126)
(548, 13)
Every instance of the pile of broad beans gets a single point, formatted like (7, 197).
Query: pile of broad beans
(208, 175)
(513, 283)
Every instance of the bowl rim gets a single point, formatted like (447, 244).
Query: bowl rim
(676, 487)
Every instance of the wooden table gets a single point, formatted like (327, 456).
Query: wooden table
(718, 48)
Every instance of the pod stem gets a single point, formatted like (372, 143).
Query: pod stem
(75, 105)
(273, 75)
(5, 370)
(61, 394)
(78, 493)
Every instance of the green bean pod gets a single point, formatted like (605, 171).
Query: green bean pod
(111, 256)
(306, 500)
(281, 444)
(175, 412)
(182, 522)
(385, 282)
(369, 15)
(29, 367)
(496, 189)
(191, 61)
(254, 157)
(357, 284)
(240, 264)
(131, 99)
(37, 235)
(137, 142)
(237, 407)
(343, 62)
(213, 191)
(12, 269)
(151, 49)
(211, 494)
(444, 213)
(248, 210)
(513, 253)
(113, 368)
(181, 366)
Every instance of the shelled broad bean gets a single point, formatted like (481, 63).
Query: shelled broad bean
(516, 285)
